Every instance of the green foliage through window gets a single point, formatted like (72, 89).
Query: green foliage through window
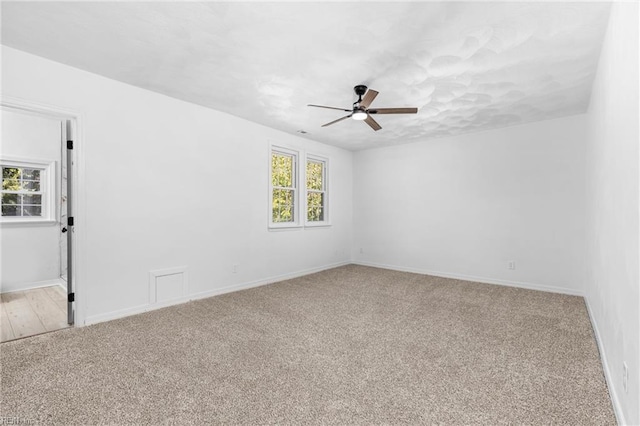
(285, 179)
(283, 183)
(21, 192)
(315, 191)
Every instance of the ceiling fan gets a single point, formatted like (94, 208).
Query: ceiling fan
(361, 110)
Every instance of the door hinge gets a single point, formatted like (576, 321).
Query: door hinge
(69, 144)
(70, 221)
(71, 297)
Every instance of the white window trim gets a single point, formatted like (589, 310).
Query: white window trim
(326, 221)
(48, 188)
(296, 193)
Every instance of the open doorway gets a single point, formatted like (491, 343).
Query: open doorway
(36, 225)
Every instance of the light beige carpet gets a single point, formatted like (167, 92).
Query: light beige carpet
(352, 345)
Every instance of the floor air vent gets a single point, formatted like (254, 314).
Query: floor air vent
(168, 285)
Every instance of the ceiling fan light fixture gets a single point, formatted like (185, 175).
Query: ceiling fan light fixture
(359, 115)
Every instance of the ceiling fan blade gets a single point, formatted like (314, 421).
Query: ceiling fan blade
(373, 123)
(335, 121)
(368, 98)
(393, 111)
(328, 107)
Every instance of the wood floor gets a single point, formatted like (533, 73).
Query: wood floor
(30, 312)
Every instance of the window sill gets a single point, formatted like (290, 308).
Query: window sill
(294, 226)
(284, 226)
(23, 222)
(317, 224)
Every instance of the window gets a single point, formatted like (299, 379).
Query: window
(288, 207)
(316, 176)
(284, 198)
(26, 190)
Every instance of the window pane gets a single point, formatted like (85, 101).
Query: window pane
(315, 199)
(10, 199)
(10, 178)
(30, 185)
(315, 206)
(32, 199)
(32, 211)
(282, 170)
(282, 205)
(282, 196)
(10, 173)
(282, 214)
(11, 185)
(11, 210)
(314, 175)
(31, 174)
(315, 214)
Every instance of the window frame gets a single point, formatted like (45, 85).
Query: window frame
(300, 191)
(47, 190)
(295, 223)
(325, 184)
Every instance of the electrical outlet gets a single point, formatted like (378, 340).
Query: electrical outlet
(511, 265)
(625, 377)
(234, 268)
(361, 250)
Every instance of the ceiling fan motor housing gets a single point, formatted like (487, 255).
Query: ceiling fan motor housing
(360, 90)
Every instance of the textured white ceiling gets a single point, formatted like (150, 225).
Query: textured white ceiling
(466, 66)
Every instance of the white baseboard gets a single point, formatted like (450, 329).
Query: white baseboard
(108, 316)
(32, 286)
(485, 280)
(271, 280)
(617, 408)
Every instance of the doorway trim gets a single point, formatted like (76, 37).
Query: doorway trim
(78, 198)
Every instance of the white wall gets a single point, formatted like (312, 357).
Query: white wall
(612, 207)
(29, 253)
(465, 206)
(168, 184)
